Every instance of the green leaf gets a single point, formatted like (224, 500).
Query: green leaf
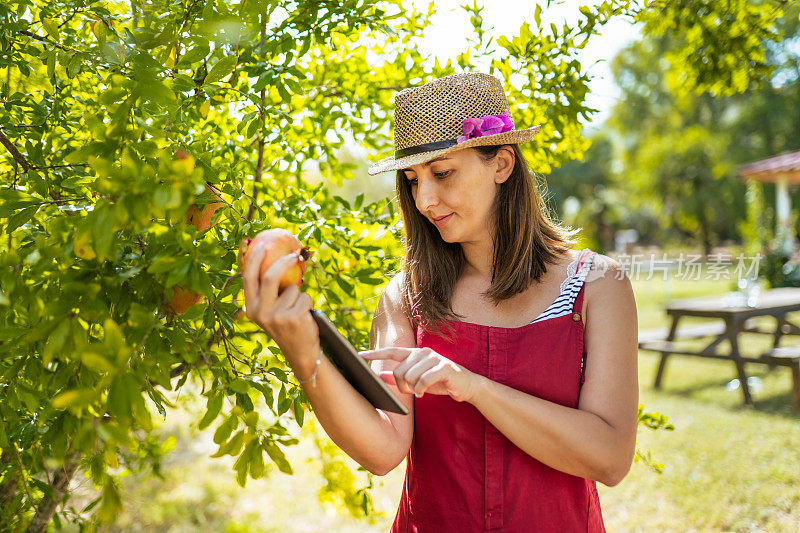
(255, 125)
(221, 68)
(224, 430)
(263, 80)
(364, 277)
(232, 447)
(239, 385)
(342, 201)
(213, 407)
(298, 412)
(114, 340)
(197, 53)
(111, 503)
(51, 28)
(74, 66)
(278, 457)
(95, 360)
(51, 65)
(243, 462)
(256, 462)
(21, 218)
(278, 372)
(56, 341)
(182, 83)
(165, 264)
(346, 287)
(266, 391)
(284, 94)
(118, 402)
(73, 398)
(284, 401)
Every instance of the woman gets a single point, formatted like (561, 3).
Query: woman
(514, 353)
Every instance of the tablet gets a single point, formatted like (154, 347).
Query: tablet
(354, 368)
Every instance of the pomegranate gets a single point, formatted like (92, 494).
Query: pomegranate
(278, 243)
(201, 219)
(182, 300)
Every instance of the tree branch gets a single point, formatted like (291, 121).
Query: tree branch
(22, 471)
(18, 157)
(47, 41)
(44, 513)
(260, 162)
(8, 489)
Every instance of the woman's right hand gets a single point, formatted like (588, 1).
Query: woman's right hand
(286, 316)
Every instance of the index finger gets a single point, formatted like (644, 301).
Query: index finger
(252, 277)
(393, 353)
(388, 377)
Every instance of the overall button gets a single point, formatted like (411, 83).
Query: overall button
(576, 317)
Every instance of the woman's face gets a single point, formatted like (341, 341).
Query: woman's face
(459, 190)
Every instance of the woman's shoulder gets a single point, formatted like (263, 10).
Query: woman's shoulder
(391, 325)
(393, 292)
(602, 268)
(607, 283)
(573, 261)
(604, 274)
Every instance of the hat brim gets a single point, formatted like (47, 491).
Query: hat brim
(509, 137)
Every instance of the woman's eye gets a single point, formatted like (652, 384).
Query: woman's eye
(438, 175)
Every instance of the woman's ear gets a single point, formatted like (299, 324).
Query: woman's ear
(504, 163)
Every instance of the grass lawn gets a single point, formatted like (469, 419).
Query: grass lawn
(727, 467)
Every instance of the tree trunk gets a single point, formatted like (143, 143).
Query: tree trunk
(705, 232)
(60, 484)
(261, 141)
(8, 487)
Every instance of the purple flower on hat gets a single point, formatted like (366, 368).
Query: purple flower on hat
(483, 126)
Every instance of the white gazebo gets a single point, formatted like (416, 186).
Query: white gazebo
(782, 170)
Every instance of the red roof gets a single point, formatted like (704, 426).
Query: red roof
(786, 165)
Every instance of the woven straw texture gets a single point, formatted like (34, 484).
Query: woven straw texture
(435, 112)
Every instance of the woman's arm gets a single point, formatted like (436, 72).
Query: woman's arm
(376, 439)
(361, 431)
(598, 439)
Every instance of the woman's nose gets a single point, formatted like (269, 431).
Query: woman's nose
(427, 196)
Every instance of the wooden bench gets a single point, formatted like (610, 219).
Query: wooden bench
(655, 340)
(687, 332)
(787, 356)
(734, 318)
(696, 331)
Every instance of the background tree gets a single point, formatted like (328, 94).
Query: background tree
(589, 186)
(676, 151)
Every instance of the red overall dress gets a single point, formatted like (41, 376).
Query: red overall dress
(462, 474)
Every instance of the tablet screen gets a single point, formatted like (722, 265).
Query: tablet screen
(354, 368)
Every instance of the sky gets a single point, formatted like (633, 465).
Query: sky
(446, 37)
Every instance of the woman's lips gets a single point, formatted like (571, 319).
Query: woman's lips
(442, 221)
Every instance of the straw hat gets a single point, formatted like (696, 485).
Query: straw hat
(449, 114)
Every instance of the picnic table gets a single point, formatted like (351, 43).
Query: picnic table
(736, 318)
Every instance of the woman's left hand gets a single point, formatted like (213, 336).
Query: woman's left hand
(423, 370)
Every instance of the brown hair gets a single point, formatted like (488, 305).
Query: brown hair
(525, 241)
